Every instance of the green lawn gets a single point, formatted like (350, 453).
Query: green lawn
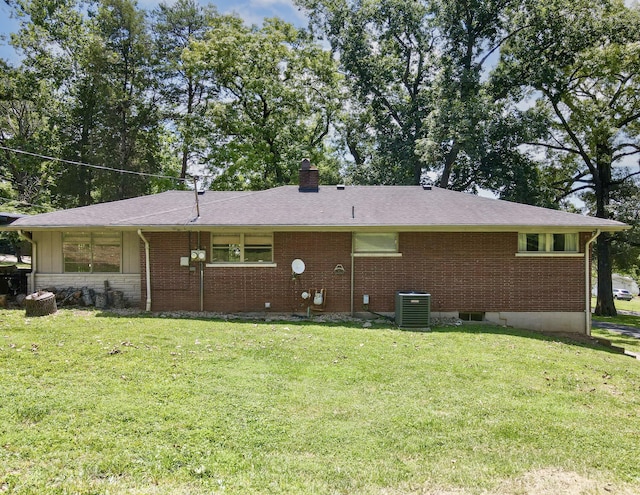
(99, 404)
(623, 319)
(633, 305)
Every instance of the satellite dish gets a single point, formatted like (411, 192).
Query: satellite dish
(297, 266)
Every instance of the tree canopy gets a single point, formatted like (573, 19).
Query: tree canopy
(582, 59)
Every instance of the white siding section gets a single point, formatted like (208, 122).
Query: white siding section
(129, 284)
(49, 251)
(130, 252)
(50, 258)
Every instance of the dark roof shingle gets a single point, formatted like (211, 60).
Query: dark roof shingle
(399, 207)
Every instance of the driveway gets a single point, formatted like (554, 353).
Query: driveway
(614, 327)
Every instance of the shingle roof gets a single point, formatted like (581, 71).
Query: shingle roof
(362, 207)
(8, 217)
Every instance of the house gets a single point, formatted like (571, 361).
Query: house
(343, 249)
(6, 217)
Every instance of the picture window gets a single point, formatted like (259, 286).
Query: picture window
(92, 252)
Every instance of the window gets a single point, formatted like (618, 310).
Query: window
(242, 248)
(548, 243)
(378, 243)
(91, 252)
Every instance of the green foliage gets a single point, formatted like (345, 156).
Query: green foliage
(92, 403)
(101, 107)
(25, 125)
(186, 91)
(420, 99)
(278, 96)
(582, 59)
(466, 131)
(386, 49)
(625, 247)
(127, 133)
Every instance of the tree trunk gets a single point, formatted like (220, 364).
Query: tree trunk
(604, 305)
(449, 160)
(40, 304)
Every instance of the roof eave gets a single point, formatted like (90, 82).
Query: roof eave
(330, 228)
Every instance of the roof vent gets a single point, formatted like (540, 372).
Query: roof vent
(340, 187)
(427, 187)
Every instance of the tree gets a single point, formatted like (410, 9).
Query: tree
(278, 97)
(102, 107)
(582, 59)
(127, 135)
(469, 142)
(24, 126)
(55, 43)
(386, 49)
(422, 101)
(186, 90)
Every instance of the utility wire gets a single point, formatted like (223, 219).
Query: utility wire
(99, 167)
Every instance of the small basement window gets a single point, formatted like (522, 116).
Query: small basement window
(471, 316)
(548, 243)
(378, 243)
(242, 248)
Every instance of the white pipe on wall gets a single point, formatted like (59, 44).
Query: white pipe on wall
(352, 272)
(201, 263)
(587, 280)
(147, 268)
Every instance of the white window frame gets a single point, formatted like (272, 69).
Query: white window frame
(361, 250)
(546, 242)
(241, 236)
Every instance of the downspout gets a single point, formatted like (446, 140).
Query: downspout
(147, 269)
(352, 272)
(587, 280)
(34, 259)
(201, 263)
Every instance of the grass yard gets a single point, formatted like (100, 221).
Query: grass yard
(633, 305)
(91, 403)
(625, 319)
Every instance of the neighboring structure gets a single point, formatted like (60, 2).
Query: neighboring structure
(328, 248)
(13, 280)
(7, 218)
(619, 282)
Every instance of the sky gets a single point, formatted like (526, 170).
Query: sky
(252, 11)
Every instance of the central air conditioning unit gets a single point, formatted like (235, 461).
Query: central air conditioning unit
(413, 309)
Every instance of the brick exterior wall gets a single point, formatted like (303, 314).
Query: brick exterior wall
(467, 272)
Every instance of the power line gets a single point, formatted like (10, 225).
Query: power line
(98, 167)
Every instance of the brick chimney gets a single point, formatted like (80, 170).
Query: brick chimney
(309, 177)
